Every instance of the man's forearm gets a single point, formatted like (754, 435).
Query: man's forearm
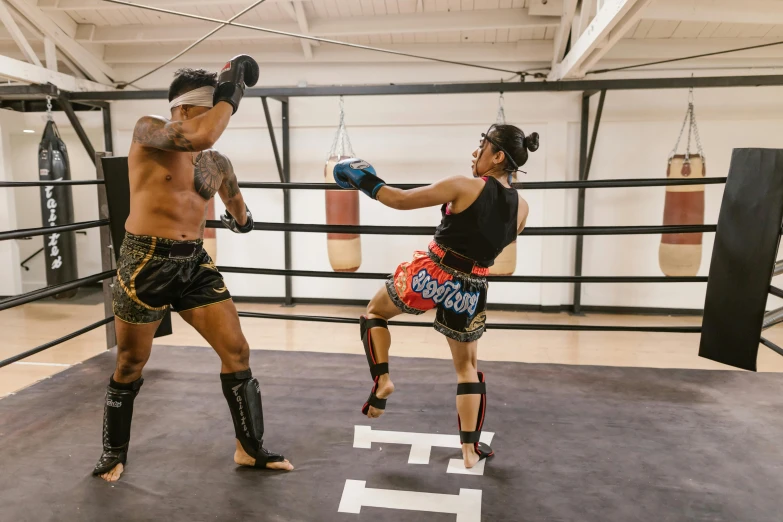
(236, 206)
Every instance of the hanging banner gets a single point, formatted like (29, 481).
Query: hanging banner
(57, 209)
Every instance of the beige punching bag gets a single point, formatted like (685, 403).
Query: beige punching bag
(210, 239)
(342, 207)
(680, 254)
(506, 262)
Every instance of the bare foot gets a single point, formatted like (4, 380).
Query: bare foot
(469, 455)
(114, 474)
(385, 389)
(243, 459)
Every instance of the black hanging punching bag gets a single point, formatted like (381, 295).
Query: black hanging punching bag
(57, 209)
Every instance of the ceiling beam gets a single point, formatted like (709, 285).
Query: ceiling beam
(609, 25)
(717, 11)
(7, 19)
(50, 54)
(563, 30)
(296, 12)
(331, 27)
(537, 50)
(93, 66)
(29, 73)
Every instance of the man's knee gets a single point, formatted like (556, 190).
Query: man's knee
(237, 358)
(129, 366)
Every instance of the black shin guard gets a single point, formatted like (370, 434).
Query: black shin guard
(117, 416)
(243, 394)
(473, 437)
(376, 369)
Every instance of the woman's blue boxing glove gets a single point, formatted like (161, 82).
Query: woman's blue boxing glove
(358, 174)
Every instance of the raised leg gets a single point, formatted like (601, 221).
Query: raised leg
(219, 325)
(134, 344)
(377, 341)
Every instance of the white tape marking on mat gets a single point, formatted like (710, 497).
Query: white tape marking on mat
(466, 505)
(27, 363)
(421, 443)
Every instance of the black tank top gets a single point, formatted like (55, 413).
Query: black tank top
(485, 228)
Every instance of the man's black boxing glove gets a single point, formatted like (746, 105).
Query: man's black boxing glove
(240, 72)
(230, 222)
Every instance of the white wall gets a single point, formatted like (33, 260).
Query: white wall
(424, 138)
(23, 165)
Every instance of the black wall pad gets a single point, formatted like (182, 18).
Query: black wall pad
(743, 258)
(115, 170)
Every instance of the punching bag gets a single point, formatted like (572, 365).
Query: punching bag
(680, 254)
(210, 239)
(342, 207)
(506, 262)
(57, 209)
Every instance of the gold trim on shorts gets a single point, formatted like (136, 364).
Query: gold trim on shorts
(131, 292)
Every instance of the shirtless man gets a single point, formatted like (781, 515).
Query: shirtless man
(173, 175)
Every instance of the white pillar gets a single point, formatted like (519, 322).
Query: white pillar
(10, 278)
(556, 257)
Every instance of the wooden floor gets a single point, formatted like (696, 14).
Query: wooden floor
(31, 325)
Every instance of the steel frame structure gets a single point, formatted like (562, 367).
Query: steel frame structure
(587, 88)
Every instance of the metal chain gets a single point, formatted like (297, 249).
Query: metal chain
(696, 133)
(49, 108)
(693, 130)
(501, 117)
(342, 143)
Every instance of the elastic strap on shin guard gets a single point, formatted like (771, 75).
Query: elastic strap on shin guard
(376, 369)
(243, 394)
(474, 437)
(117, 417)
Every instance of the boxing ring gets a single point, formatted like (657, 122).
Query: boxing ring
(573, 442)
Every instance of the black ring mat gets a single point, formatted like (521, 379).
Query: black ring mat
(573, 443)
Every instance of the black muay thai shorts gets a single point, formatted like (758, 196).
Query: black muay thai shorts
(154, 273)
(448, 282)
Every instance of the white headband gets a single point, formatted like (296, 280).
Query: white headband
(201, 97)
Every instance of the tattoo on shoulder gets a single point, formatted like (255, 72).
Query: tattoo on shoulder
(158, 133)
(213, 170)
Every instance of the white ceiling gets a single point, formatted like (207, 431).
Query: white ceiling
(96, 37)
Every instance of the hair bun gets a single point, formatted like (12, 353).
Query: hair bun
(531, 142)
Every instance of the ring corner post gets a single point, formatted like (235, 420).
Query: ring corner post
(107, 255)
(743, 260)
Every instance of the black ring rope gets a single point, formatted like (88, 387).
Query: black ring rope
(772, 346)
(68, 182)
(777, 292)
(37, 349)
(533, 185)
(495, 326)
(428, 231)
(492, 278)
(43, 293)
(45, 231)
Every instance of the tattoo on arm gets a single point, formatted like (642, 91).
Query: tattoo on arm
(158, 133)
(230, 183)
(210, 173)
